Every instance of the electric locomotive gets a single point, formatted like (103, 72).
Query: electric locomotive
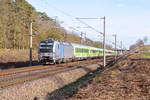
(55, 51)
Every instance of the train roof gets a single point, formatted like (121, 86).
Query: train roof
(76, 45)
(84, 46)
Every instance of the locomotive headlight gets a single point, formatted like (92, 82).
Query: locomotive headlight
(42, 54)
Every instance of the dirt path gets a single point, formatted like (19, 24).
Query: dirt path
(127, 80)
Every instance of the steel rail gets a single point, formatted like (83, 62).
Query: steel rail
(34, 68)
(51, 69)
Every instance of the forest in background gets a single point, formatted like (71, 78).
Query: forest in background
(15, 18)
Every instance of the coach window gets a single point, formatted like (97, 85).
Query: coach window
(77, 50)
(81, 50)
(86, 50)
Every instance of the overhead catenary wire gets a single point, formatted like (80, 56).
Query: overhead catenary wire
(87, 25)
(76, 18)
(71, 16)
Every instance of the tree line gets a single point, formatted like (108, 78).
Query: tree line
(15, 18)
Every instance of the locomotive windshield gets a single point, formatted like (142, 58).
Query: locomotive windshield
(49, 46)
(46, 50)
(46, 46)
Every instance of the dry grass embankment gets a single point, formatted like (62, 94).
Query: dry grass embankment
(13, 57)
(144, 52)
(127, 80)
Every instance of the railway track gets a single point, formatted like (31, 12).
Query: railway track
(21, 75)
(34, 68)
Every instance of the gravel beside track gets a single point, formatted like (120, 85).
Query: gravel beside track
(41, 87)
(23, 75)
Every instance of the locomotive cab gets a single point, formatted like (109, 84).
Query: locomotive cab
(46, 51)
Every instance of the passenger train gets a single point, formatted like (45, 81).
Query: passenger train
(53, 51)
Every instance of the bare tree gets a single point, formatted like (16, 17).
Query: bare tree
(137, 44)
(145, 39)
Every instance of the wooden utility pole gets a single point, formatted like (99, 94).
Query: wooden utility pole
(85, 37)
(104, 38)
(116, 47)
(30, 43)
(121, 47)
(115, 35)
(81, 37)
(65, 37)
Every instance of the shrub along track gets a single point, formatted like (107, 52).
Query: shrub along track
(15, 76)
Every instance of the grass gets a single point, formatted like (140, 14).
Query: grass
(145, 54)
(14, 55)
(147, 47)
(142, 55)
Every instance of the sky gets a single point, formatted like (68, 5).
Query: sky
(129, 19)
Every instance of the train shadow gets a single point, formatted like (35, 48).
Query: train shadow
(10, 65)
